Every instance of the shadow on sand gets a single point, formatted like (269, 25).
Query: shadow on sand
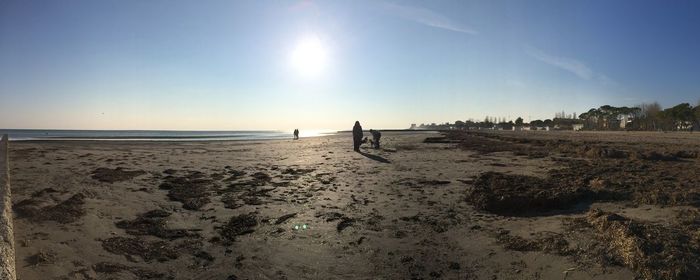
(374, 157)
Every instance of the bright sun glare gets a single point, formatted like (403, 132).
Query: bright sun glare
(309, 57)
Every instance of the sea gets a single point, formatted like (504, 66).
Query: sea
(155, 135)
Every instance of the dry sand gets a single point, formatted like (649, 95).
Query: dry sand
(314, 209)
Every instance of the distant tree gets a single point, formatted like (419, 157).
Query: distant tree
(681, 116)
(565, 123)
(590, 118)
(583, 116)
(606, 116)
(519, 121)
(459, 124)
(648, 117)
(664, 120)
(502, 124)
(696, 113)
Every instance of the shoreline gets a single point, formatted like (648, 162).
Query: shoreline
(155, 140)
(203, 139)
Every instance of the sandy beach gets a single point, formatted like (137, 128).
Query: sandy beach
(457, 206)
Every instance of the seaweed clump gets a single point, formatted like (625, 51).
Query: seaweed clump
(158, 250)
(152, 223)
(653, 251)
(118, 174)
(67, 211)
(520, 195)
(191, 189)
(238, 225)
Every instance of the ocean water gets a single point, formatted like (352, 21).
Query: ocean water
(153, 135)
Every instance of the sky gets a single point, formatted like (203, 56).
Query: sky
(203, 65)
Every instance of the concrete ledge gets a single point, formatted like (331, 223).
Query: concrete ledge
(7, 237)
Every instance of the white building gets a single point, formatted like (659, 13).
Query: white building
(625, 120)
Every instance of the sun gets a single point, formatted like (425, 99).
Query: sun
(309, 57)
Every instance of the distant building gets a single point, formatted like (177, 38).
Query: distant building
(625, 120)
(577, 126)
(685, 125)
(413, 126)
(524, 128)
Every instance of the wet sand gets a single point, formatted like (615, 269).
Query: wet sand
(314, 209)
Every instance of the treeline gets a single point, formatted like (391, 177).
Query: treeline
(496, 123)
(646, 116)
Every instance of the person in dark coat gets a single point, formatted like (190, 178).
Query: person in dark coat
(357, 136)
(296, 134)
(375, 138)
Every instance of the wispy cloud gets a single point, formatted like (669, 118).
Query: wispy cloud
(428, 17)
(569, 64)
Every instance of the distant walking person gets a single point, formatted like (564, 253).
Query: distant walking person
(296, 134)
(375, 138)
(357, 136)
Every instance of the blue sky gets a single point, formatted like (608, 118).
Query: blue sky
(226, 64)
